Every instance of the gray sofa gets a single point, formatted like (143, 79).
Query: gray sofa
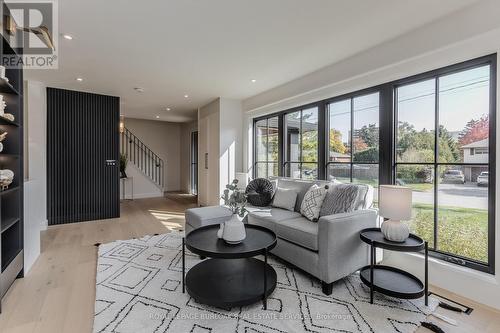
(328, 249)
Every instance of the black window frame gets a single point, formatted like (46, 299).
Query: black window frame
(351, 97)
(387, 142)
(284, 136)
(266, 162)
(489, 60)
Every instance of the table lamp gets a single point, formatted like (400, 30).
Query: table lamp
(242, 178)
(395, 205)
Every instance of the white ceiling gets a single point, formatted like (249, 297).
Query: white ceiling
(211, 48)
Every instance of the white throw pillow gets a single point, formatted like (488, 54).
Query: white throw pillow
(313, 199)
(285, 198)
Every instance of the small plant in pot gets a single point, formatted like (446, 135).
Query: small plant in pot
(233, 230)
(123, 165)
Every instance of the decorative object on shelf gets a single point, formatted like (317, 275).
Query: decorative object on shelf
(123, 165)
(3, 105)
(3, 136)
(6, 178)
(233, 231)
(42, 32)
(395, 204)
(9, 116)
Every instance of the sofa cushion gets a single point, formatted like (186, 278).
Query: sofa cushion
(300, 231)
(300, 186)
(268, 217)
(285, 198)
(344, 198)
(311, 205)
(260, 192)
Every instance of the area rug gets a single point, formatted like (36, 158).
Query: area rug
(139, 290)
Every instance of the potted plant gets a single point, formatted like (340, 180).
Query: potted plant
(123, 165)
(233, 231)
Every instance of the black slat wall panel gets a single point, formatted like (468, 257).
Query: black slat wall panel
(82, 134)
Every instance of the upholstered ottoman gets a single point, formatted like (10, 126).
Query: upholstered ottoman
(199, 217)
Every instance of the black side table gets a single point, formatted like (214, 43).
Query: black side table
(393, 281)
(232, 276)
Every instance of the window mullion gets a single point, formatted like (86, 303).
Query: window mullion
(436, 159)
(352, 138)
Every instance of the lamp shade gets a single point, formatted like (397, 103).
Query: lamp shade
(242, 178)
(395, 202)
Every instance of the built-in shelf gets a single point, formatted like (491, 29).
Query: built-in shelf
(8, 255)
(7, 224)
(11, 199)
(9, 190)
(4, 121)
(6, 87)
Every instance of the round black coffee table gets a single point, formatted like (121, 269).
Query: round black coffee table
(393, 281)
(232, 277)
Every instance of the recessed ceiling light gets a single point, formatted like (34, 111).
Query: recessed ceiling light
(168, 109)
(79, 79)
(157, 117)
(254, 80)
(186, 96)
(68, 37)
(139, 89)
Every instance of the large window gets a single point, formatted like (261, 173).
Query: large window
(353, 139)
(266, 146)
(301, 158)
(433, 132)
(441, 122)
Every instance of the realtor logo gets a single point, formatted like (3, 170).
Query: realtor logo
(31, 29)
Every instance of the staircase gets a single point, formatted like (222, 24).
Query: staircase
(150, 164)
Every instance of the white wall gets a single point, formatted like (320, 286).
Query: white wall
(465, 35)
(141, 186)
(163, 139)
(219, 135)
(35, 187)
(208, 143)
(230, 145)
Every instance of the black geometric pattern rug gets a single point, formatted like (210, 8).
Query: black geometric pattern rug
(139, 290)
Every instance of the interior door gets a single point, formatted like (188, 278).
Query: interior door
(82, 156)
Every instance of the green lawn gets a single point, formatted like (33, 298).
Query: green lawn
(461, 231)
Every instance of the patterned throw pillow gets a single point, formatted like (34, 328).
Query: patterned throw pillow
(341, 198)
(313, 199)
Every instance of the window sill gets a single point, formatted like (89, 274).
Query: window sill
(438, 263)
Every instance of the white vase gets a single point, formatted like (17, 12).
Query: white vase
(395, 231)
(220, 232)
(234, 230)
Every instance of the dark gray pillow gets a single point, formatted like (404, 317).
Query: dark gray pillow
(340, 198)
(259, 192)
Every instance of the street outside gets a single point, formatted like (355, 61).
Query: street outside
(468, 195)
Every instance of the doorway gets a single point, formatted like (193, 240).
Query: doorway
(194, 163)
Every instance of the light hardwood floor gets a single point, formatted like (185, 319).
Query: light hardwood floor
(58, 294)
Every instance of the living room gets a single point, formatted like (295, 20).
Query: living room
(235, 166)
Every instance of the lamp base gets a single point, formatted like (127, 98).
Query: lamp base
(395, 231)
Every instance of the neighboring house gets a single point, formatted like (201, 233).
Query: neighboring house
(475, 152)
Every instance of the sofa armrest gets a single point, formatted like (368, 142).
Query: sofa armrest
(341, 251)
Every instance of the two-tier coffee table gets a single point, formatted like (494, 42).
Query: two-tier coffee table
(232, 276)
(392, 281)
